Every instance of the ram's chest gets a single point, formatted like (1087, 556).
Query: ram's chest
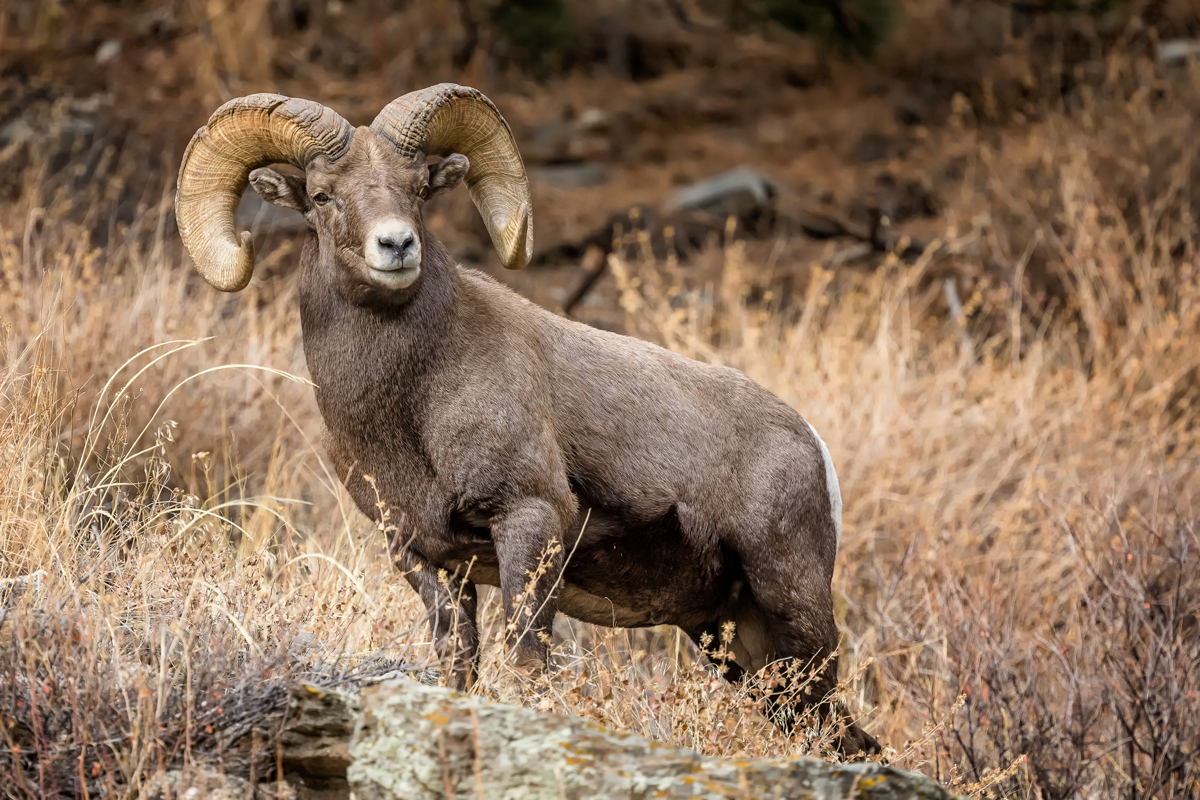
(372, 434)
(383, 472)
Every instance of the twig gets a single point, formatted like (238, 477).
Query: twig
(950, 289)
(851, 253)
(590, 279)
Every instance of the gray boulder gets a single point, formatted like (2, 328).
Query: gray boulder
(415, 742)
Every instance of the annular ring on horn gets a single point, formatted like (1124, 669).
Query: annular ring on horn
(449, 118)
(242, 135)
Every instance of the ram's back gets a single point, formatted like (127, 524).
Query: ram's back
(643, 430)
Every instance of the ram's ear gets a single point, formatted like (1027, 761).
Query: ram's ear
(289, 191)
(447, 173)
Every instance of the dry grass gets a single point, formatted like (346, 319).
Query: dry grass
(1019, 582)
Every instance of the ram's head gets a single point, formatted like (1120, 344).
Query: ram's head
(363, 188)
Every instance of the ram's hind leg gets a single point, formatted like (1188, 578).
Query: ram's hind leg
(797, 612)
(707, 638)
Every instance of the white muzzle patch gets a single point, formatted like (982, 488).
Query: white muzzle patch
(831, 483)
(393, 251)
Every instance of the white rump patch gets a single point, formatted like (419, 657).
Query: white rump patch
(831, 483)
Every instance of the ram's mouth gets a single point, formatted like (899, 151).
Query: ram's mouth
(392, 269)
(400, 277)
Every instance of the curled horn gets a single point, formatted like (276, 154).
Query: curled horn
(449, 118)
(242, 135)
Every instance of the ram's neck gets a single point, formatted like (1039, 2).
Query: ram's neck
(371, 364)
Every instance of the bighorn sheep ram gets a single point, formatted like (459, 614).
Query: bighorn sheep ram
(495, 427)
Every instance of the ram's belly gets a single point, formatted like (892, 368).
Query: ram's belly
(623, 576)
(601, 609)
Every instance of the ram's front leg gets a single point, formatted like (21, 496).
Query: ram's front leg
(528, 537)
(450, 604)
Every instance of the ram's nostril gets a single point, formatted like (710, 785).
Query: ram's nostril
(398, 245)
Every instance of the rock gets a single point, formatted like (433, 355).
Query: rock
(201, 783)
(571, 176)
(590, 136)
(1178, 51)
(303, 646)
(419, 743)
(108, 50)
(53, 126)
(316, 739)
(12, 589)
(733, 193)
(11, 592)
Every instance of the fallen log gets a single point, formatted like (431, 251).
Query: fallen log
(416, 742)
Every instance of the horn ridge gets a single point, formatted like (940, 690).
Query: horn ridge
(243, 134)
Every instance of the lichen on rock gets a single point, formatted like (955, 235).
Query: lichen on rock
(417, 742)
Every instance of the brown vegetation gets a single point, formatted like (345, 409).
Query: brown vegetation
(1019, 582)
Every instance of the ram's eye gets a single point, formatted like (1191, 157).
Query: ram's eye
(320, 198)
(423, 192)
